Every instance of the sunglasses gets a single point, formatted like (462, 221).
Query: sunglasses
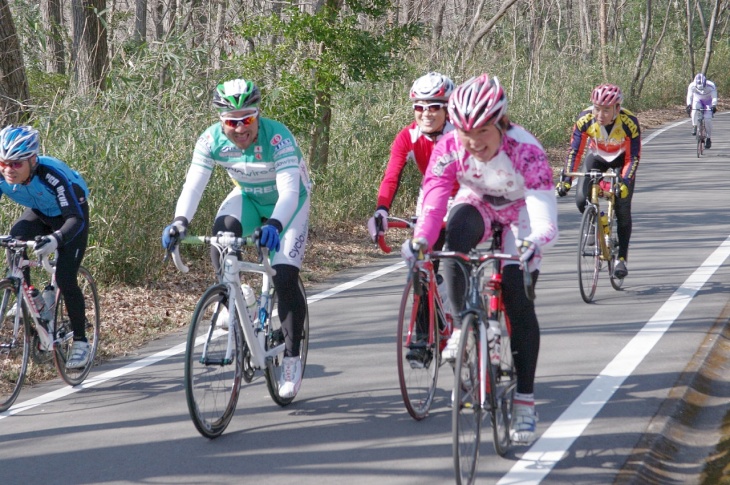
(13, 165)
(236, 122)
(432, 108)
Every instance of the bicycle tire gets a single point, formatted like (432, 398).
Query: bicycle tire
(502, 383)
(14, 346)
(701, 135)
(275, 336)
(417, 384)
(467, 409)
(589, 261)
(616, 283)
(213, 364)
(64, 332)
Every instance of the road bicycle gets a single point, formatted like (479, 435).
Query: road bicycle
(229, 342)
(701, 131)
(484, 375)
(424, 329)
(29, 332)
(598, 238)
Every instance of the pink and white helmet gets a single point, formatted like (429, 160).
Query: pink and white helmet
(477, 102)
(434, 86)
(607, 95)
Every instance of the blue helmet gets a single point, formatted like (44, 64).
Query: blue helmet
(18, 142)
(700, 80)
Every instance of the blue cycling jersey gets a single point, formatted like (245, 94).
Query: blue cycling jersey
(54, 190)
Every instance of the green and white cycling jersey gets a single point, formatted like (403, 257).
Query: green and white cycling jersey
(271, 172)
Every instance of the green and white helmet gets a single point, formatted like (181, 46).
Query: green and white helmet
(236, 94)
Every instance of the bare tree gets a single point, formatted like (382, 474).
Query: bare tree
(637, 84)
(14, 94)
(603, 29)
(690, 48)
(485, 30)
(140, 21)
(89, 52)
(708, 39)
(53, 20)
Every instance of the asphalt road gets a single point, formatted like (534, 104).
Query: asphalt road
(606, 373)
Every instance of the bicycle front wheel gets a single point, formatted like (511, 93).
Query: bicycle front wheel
(213, 363)
(589, 261)
(417, 351)
(14, 345)
(466, 407)
(64, 331)
(700, 140)
(274, 337)
(615, 282)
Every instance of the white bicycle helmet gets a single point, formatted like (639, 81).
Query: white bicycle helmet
(700, 81)
(18, 142)
(235, 95)
(434, 86)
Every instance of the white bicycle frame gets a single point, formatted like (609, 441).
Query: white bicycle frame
(16, 271)
(232, 268)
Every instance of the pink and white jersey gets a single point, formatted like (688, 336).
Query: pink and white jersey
(514, 188)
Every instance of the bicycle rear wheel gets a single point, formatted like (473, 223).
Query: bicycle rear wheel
(589, 262)
(417, 352)
(213, 364)
(14, 345)
(274, 337)
(64, 331)
(502, 384)
(467, 409)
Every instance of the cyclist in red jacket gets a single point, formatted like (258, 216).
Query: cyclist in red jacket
(415, 142)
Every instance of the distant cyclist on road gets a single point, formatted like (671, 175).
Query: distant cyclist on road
(608, 136)
(702, 99)
(504, 178)
(271, 195)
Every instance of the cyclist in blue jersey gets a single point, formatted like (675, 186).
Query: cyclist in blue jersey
(57, 216)
(271, 197)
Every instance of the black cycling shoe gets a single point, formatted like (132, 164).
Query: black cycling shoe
(708, 143)
(419, 356)
(694, 131)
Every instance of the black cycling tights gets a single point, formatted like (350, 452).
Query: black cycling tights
(291, 301)
(623, 206)
(464, 230)
(30, 225)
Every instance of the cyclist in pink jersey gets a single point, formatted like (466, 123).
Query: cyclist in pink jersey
(505, 179)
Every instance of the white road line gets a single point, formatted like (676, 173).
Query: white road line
(178, 349)
(559, 437)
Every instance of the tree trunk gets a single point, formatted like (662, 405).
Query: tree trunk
(14, 94)
(642, 49)
(52, 20)
(708, 39)
(690, 49)
(603, 20)
(140, 21)
(89, 52)
(320, 131)
(485, 30)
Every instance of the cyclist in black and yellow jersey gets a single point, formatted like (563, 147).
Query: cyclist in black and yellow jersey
(608, 136)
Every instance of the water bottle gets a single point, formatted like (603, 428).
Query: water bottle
(494, 341)
(49, 299)
(38, 302)
(250, 298)
(604, 223)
